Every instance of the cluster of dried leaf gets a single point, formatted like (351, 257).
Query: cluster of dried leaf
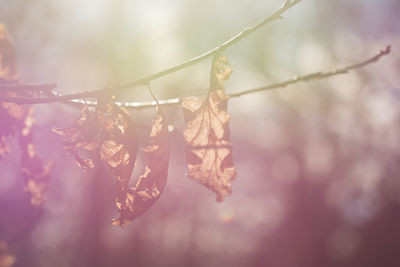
(106, 134)
(18, 120)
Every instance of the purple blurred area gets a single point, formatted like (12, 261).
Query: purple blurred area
(318, 168)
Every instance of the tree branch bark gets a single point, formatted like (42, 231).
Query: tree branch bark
(145, 80)
(308, 77)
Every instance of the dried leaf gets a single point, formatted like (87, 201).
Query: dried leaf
(12, 117)
(36, 174)
(152, 182)
(10, 114)
(7, 57)
(118, 146)
(6, 259)
(107, 134)
(221, 71)
(9, 123)
(15, 118)
(81, 134)
(208, 145)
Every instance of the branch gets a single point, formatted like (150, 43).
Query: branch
(27, 87)
(317, 75)
(131, 105)
(309, 77)
(145, 80)
(246, 32)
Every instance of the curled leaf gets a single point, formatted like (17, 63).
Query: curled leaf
(152, 182)
(221, 71)
(107, 134)
(80, 135)
(117, 146)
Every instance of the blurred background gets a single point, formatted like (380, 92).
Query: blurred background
(318, 174)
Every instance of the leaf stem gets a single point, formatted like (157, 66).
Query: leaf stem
(152, 94)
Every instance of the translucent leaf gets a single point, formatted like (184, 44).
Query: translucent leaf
(82, 133)
(107, 134)
(207, 136)
(152, 182)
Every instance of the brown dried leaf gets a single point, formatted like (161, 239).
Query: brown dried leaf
(117, 145)
(208, 145)
(35, 173)
(15, 118)
(7, 57)
(10, 114)
(12, 117)
(152, 182)
(81, 134)
(6, 259)
(107, 134)
(221, 71)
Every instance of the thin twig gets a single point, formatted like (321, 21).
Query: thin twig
(316, 76)
(145, 80)
(309, 77)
